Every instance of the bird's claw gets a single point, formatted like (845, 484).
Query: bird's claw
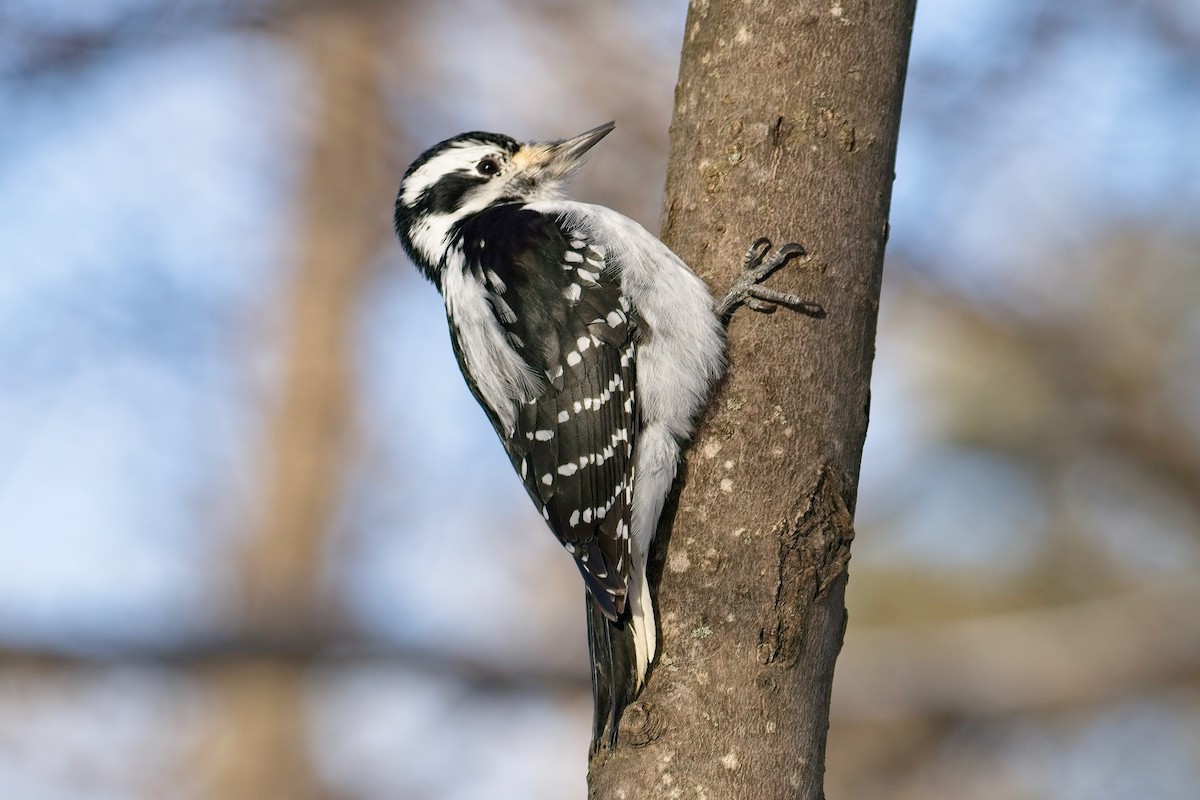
(757, 266)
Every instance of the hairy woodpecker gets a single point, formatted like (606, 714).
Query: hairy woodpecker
(591, 347)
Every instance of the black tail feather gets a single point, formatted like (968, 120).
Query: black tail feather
(614, 666)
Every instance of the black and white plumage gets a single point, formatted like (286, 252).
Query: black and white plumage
(591, 347)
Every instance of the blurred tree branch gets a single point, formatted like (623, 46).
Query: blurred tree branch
(311, 649)
(1038, 660)
(258, 745)
(1027, 661)
(342, 223)
(1094, 384)
(62, 51)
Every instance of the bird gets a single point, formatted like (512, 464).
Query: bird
(592, 349)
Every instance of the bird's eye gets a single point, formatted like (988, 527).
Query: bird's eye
(487, 166)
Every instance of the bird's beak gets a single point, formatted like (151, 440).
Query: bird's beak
(557, 159)
(572, 150)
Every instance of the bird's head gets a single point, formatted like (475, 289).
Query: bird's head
(474, 171)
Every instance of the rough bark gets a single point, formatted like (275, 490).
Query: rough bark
(785, 125)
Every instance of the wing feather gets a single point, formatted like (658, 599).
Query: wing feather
(561, 309)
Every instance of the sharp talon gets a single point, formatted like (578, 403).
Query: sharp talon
(755, 253)
(790, 249)
(761, 306)
(778, 259)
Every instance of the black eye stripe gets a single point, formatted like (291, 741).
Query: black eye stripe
(446, 195)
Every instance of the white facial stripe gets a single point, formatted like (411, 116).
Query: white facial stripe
(458, 156)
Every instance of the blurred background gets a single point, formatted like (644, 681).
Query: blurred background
(257, 540)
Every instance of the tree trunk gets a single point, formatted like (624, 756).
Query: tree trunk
(785, 126)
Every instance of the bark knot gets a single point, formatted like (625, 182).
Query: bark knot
(641, 724)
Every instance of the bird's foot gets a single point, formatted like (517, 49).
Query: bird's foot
(759, 263)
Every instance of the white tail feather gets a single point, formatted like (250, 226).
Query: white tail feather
(657, 457)
(645, 637)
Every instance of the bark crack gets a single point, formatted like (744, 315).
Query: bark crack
(814, 552)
